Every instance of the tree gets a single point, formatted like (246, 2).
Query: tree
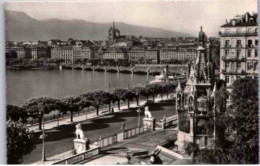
(98, 98)
(19, 141)
(129, 96)
(168, 87)
(119, 93)
(137, 91)
(37, 107)
(16, 113)
(73, 104)
(238, 141)
(145, 92)
(153, 89)
(244, 122)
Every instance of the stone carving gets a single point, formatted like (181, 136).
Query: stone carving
(147, 113)
(79, 132)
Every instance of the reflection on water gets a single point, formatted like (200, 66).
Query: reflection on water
(24, 85)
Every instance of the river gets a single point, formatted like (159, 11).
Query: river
(26, 84)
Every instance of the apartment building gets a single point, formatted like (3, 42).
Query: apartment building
(238, 48)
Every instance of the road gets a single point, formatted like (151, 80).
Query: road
(60, 139)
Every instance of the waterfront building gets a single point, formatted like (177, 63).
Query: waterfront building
(168, 54)
(239, 48)
(137, 54)
(40, 52)
(114, 54)
(15, 52)
(193, 104)
(70, 53)
(152, 56)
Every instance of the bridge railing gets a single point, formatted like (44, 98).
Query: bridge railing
(78, 157)
(164, 123)
(119, 137)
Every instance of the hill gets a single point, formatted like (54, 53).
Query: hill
(22, 27)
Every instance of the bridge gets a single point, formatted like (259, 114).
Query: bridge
(153, 69)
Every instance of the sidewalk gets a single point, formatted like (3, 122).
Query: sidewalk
(116, 153)
(90, 115)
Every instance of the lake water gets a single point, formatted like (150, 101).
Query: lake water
(24, 85)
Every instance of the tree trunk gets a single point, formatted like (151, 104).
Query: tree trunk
(97, 110)
(118, 104)
(167, 93)
(147, 98)
(40, 123)
(71, 116)
(153, 98)
(137, 101)
(109, 107)
(128, 104)
(162, 96)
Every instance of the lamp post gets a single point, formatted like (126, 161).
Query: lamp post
(139, 118)
(43, 136)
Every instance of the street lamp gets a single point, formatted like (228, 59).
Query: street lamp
(139, 118)
(43, 136)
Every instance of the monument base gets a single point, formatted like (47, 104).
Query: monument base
(149, 123)
(81, 145)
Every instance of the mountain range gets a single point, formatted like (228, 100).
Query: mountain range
(21, 27)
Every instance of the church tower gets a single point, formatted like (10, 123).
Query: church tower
(195, 112)
(113, 33)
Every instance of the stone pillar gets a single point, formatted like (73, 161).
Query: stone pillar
(81, 145)
(191, 124)
(149, 123)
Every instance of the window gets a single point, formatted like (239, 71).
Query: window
(249, 43)
(227, 43)
(227, 52)
(239, 43)
(232, 79)
(227, 65)
(249, 53)
(249, 65)
(238, 65)
(255, 66)
(256, 53)
(227, 79)
(256, 42)
(233, 65)
(238, 77)
(238, 52)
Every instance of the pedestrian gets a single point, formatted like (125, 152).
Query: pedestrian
(123, 128)
(112, 110)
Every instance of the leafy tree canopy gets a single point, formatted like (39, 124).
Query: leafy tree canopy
(19, 141)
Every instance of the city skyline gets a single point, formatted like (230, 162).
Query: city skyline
(168, 15)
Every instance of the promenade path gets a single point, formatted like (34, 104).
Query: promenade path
(60, 138)
(90, 115)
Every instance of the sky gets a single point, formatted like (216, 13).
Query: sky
(176, 15)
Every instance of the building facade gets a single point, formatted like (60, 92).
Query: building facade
(239, 48)
(152, 56)
(70, 53)
(114, 54)
(173, 54)
(137, 55)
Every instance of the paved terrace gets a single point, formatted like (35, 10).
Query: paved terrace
(116, 154)
(60, 138)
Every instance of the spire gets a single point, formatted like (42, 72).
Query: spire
(178, 89)
(214, 90)
(114, 24)
(201, 29)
